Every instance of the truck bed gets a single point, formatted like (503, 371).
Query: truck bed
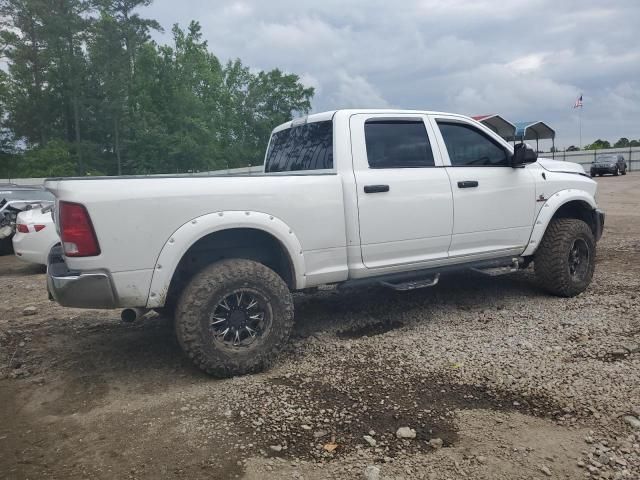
(135, 217)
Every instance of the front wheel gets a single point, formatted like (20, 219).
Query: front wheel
(565, 260)
(234, 317)
(616, 172)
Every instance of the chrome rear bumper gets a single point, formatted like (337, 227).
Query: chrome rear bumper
(78, 289)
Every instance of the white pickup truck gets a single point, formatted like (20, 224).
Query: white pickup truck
(348, 197)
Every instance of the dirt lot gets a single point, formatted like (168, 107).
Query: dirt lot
(514, 384)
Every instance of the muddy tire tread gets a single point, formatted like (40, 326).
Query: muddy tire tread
(194, 301)
(550, 262)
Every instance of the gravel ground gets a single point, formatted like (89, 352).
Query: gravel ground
(484, 377)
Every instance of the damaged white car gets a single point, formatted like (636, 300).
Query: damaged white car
(13, 200)
(35, 235)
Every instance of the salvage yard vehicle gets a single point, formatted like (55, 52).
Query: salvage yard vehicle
(35, 235)
(609, 163)
(349, 197)
(13, 200)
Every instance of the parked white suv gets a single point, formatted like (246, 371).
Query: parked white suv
(347, 197)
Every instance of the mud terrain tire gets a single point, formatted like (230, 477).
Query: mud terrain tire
(565, 260)
(201, 304)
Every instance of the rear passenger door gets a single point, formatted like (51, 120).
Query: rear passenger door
(404, 196)
(494, 203)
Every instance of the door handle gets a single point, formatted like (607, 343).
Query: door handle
(376, 188)
(468, 184)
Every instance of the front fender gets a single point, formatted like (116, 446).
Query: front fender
(188, 234)
(549, 209)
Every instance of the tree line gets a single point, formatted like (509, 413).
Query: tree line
(87, 91)
(599, 144)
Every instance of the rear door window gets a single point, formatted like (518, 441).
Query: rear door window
(397, 144)
(303, 147)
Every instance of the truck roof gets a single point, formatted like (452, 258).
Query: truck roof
(328, 115)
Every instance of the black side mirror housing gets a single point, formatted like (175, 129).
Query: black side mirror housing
(523, 154)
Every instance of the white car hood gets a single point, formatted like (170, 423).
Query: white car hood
(560, 166)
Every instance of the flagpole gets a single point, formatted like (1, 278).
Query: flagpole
(580, 125)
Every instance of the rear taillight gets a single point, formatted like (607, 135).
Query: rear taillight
(23, 228)
(76, 231)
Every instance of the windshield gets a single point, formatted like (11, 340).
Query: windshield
(303, 147)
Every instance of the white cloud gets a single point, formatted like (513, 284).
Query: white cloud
(528, 63)
(355, 91)
(525, 59)
(309, 80)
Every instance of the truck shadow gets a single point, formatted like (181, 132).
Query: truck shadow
(111, 352)
(20, 269)
(376, 310)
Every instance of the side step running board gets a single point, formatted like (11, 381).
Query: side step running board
(429, 277)
(495, 271)
(413, 284)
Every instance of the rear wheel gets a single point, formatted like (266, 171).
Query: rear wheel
(234, 317)
(565, 260)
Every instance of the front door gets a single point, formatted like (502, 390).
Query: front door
(493, 203)
(404, 195)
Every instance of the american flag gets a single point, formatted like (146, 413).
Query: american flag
(578, 103)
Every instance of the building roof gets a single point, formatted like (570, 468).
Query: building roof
(498, 124)
(533, 131)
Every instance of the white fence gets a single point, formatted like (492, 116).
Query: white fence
(585, 157)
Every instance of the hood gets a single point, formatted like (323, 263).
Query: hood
(560, 166)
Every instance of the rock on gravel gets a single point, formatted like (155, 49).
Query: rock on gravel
(406, 433)
(633, 421)
(436, 443)
(370, 440)
(28, 311)
(544, 469)
(372, 473)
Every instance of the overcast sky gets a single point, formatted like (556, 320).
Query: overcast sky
(523, 59)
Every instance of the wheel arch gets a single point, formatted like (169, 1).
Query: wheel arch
(568, 203)
(237, 234)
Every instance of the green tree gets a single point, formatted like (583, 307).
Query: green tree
(24, 45)
(623, 142)
(272, 97)
(634, 143)
(598, 145)
(84, 75)
(53, 159)
(118, 35)
(67, 28)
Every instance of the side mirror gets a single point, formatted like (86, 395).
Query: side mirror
(523, 154)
